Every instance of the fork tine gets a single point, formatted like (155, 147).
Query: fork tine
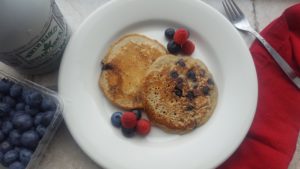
(228, 13)
(237, 8)
(232, 9)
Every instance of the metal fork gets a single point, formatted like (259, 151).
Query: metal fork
(238, 19)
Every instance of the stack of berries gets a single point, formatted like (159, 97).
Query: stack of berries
(131, 122)
(179, 41)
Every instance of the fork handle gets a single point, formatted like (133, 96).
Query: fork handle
(280, 61)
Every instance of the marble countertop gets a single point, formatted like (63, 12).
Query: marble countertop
(63, 152)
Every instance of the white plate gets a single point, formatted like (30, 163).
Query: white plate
(87, 112)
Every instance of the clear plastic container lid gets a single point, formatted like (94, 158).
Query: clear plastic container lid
(52, 127)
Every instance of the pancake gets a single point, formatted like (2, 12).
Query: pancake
(124, 68)
(179, 93)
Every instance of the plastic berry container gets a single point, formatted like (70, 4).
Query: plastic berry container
(49, 129)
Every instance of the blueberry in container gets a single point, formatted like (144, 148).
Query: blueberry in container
(30, 115)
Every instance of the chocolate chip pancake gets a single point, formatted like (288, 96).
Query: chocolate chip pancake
(124, 67)
(179, 93)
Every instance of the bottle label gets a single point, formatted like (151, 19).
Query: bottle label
(52, 39)
(48, 47)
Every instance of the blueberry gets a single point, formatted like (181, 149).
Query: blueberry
(5, 86)
(181, 63)
(14, 137)
(205, 90)
(4, 109)
(10, 115)
(202, 72)
(25, 156)
(179, 80)
(31, 110)
(173, 47)
(5, 146)
(1, 96)
(20, 106)
(138, 113)
(16, 165)
(16, 113)
(116, 119)
(48, 104)
(210, 81)
(6, 127)
(128, 132)
(41, 130)
(10, 157)
(30, 139)
(17, 148)
(190, 95)
(15, 90)
(169, 33)
(191, 75)
(1, 156)
(179, 84)
(47, 118)
(33, 99)
(178, 92)
(22, 121)
(2, 136)
(190, 108)
(9, 100)
(174, 74)
(38, 118)
(26, 92)
(7, 116)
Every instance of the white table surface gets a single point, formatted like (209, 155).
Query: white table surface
(63, 152)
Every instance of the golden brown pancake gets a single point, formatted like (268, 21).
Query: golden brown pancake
(179, 93)
(124, 67)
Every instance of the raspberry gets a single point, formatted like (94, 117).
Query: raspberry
(181, 36)
(143, 127)
(128, 120)
(188, 47)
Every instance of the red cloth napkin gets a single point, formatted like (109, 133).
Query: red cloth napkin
(272, 138)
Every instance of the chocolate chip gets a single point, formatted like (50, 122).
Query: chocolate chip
(190, 108)
(178, 92)
(210, 81)
(190, 95)
(181, 63)
(107, 67)
(202, 73)
(205, 90)
(174, 74)
(191, 75)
